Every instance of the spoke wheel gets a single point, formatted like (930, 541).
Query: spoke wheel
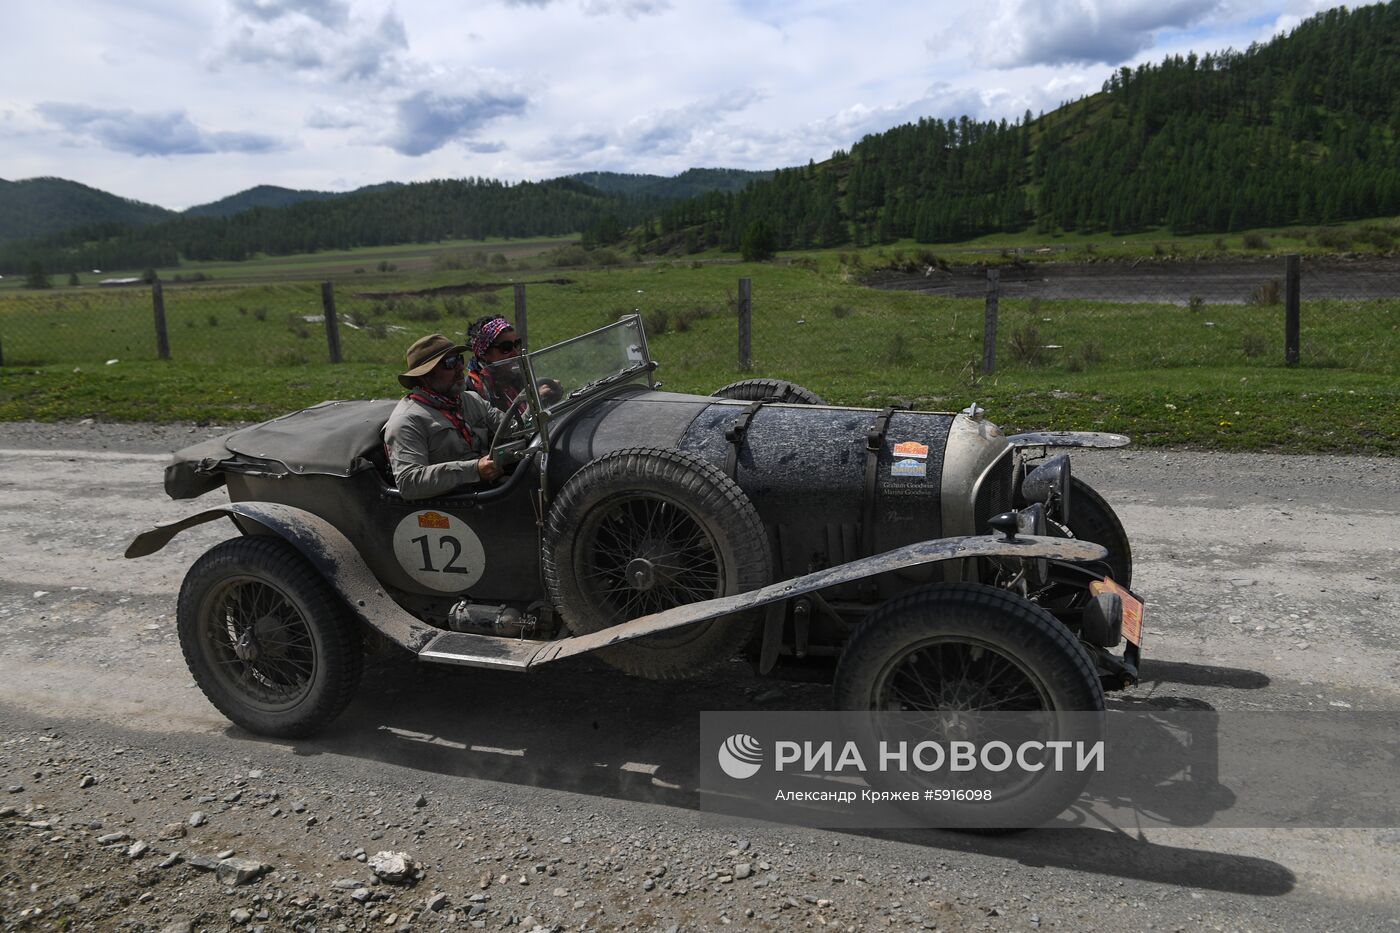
(266, 638)
(643, 554)
(260, 643)
(954, 674)
(643, 530)
(967, 662)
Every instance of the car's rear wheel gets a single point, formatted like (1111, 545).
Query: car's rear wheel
(983, 660)
(267, 639)
(642, 530)
(768, 390)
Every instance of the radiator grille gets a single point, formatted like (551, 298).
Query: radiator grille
(993, 493)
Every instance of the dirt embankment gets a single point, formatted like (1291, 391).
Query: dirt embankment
(1151, 280)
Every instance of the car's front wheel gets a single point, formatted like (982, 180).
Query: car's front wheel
(966, 661)
(267, 639)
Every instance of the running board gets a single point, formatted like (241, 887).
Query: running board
(517, 654)
(471, 650)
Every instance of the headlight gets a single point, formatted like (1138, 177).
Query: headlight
(1049, 484)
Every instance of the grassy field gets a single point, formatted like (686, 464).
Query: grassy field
(1204, 375)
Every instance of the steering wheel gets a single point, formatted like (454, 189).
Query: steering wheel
(509, 453)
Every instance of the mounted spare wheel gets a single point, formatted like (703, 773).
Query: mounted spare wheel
(641, 530)
(768, 390)
(267, 639)
(967, 662)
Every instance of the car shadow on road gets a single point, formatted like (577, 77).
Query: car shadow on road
(1202, 675)
(582, 728)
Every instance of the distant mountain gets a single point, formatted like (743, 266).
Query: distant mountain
(40, 206)
(688, 184)
(414, 213)
(272, 196)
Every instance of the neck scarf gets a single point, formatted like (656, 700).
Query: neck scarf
(450, 407)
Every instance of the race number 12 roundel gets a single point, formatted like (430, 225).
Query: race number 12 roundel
(440, 551)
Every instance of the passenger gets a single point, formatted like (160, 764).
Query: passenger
(439, 435)
(493, 339)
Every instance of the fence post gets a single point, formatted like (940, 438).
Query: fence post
(1291, 304)
(162, 338)
(745, 324)
(989, 322)
(332, 325)
(520, 331)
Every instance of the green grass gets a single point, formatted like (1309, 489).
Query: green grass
(1210, 376)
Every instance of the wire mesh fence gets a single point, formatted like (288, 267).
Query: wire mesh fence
(1069, 315)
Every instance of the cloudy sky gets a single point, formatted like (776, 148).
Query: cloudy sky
(180, 103)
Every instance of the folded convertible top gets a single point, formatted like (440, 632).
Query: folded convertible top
(329, 438)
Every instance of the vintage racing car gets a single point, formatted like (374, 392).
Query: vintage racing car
(919, 560)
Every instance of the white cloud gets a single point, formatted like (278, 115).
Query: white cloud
(628, 8)
(151, 133)
(354, 92)
(332, 14)
(337, 117)
(1062, 32)
(325, 43)
(426, 121)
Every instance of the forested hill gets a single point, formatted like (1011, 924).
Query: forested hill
(414, 213)
(688, 184)
(40, 206)
(271, 196)
(1302, 129)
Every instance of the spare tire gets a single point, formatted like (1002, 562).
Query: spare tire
(768, 390)
(641, 530)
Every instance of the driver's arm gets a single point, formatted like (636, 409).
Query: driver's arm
(411, 461)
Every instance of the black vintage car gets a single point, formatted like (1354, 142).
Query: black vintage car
(920, 560)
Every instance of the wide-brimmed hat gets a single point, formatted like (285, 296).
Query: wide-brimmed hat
(425, 353)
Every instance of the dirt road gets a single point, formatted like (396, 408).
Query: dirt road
(565, 799)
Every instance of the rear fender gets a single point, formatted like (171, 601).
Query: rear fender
(329, 551)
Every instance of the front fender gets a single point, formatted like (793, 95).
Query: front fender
(329, 551)
(912, 555)
(1101, 439)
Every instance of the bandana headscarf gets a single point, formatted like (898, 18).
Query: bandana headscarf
(487, 335)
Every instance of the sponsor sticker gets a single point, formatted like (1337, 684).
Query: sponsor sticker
(911, 450)
(909, 467)
(433, 520)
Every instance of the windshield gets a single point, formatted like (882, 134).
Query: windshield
(567, 370)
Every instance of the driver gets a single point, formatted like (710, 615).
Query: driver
(439, 435)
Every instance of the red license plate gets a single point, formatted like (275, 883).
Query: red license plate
(1132, 608)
